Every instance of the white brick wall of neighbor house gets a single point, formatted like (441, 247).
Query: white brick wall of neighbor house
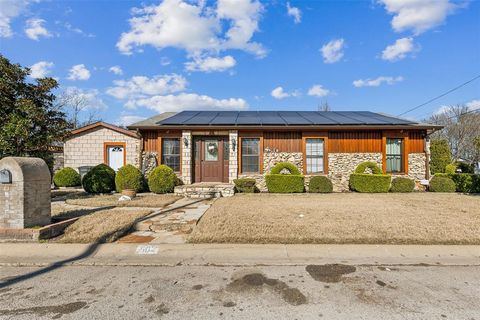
(87, 148)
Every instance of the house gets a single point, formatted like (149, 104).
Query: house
(101, 142)
(220, 146)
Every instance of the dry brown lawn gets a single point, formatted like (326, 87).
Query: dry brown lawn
(102, 226)
(141, 200)
(415, 218)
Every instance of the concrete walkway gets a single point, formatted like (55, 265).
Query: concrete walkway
(30, 254)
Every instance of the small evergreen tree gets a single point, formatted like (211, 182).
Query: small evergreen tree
(440, 156)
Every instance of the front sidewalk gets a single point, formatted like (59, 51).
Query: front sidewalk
(43, 254)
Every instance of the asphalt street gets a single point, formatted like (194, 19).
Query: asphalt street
(254, 292)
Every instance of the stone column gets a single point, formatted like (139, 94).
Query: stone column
(233, 156)
(186, 157)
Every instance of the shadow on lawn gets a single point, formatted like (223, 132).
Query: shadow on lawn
(92, 248)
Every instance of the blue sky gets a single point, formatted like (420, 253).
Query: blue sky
(131, 60)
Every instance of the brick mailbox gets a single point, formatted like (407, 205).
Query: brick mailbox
(24, 193)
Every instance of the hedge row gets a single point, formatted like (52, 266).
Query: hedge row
(371, 183)
(464, 182)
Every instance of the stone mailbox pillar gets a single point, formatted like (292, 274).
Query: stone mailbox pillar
(24, 193)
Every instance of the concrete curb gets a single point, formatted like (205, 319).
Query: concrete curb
(43, 254)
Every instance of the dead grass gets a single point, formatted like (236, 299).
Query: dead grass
(416, 218)
(147, 200)
(102, 226)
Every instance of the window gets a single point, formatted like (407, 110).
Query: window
(394, 155)
(171, 153)
(314, 155)
(250, 155)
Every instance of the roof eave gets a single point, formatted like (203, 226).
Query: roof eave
(255, 126)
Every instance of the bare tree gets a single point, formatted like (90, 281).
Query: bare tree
(462, 130)
(324, 106)
(76, 105)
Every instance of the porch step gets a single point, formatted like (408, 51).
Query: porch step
(205, 190)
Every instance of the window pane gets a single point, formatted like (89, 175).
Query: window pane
(394, 155)
(211, 150)
(250, 155)
(171, 153)
(314, 155)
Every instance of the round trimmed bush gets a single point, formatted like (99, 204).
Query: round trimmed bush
(290, 167)
(320, 184)
(442, 184)
(373, 166)
(129, 177)
(402, 184)
(100, 179)
(450, 168)
(66, 177)
(162, 179)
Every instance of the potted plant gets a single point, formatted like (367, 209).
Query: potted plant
(129, 181)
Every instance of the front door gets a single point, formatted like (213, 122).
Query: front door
(211, 159)
(115, 156)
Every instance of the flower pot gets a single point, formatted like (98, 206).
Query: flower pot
(129, 192)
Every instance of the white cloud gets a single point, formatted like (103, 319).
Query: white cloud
(399, 50)
(210, 64)
(41, 69)
(279, 93)
(90, 98)
(78, 72)
(126, 120)
(165, 61)
(141, 86)
(473, 105)
(189, 101)
(116, 70)
(418, 15)
(195, 28)
(295, 13)
(9, 10)
(34, 29)
(376, 82)
(333, 51)
(77, 30)
(318, 91)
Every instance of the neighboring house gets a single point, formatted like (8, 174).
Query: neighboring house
(101, 142)
(209, 146)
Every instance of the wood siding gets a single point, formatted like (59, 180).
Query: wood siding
(416, 142)
(355, 141)
(150, 143)
(283, 141)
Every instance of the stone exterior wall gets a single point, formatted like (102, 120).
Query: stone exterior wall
(87, 149)
(341, 165)
(233, 156)
(149, 162)
(26, 202)
(58, 162)
(186, 166)
(417, 166)
(270, 159)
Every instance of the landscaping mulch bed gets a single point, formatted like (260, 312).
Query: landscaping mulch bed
(413, 218)
(141, 200)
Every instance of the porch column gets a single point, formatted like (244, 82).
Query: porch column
(233, 156)
(186, 156)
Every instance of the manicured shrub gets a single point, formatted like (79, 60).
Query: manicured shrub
(402, 184)
(245, 185)
(66, 177)
(290, 167)
(450, 168)
(440, 156)
(442, 184)
(100, 179)
(464, 182)
(320, 184)
(373, 166)
(162, 179)
(129, 177)
(475, 183)
(375, 183)
(284, 183)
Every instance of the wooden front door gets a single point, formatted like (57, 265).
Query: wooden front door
(211, 159)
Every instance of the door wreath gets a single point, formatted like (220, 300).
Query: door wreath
(212, 148)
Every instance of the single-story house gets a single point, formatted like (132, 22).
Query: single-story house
(220, 146)
(101, 142)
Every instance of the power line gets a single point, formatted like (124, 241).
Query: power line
(459, 115)
(440, 96)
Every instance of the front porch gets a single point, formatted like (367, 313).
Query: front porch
(205, 190)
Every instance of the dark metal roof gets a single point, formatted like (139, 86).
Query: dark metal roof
(280, 118)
